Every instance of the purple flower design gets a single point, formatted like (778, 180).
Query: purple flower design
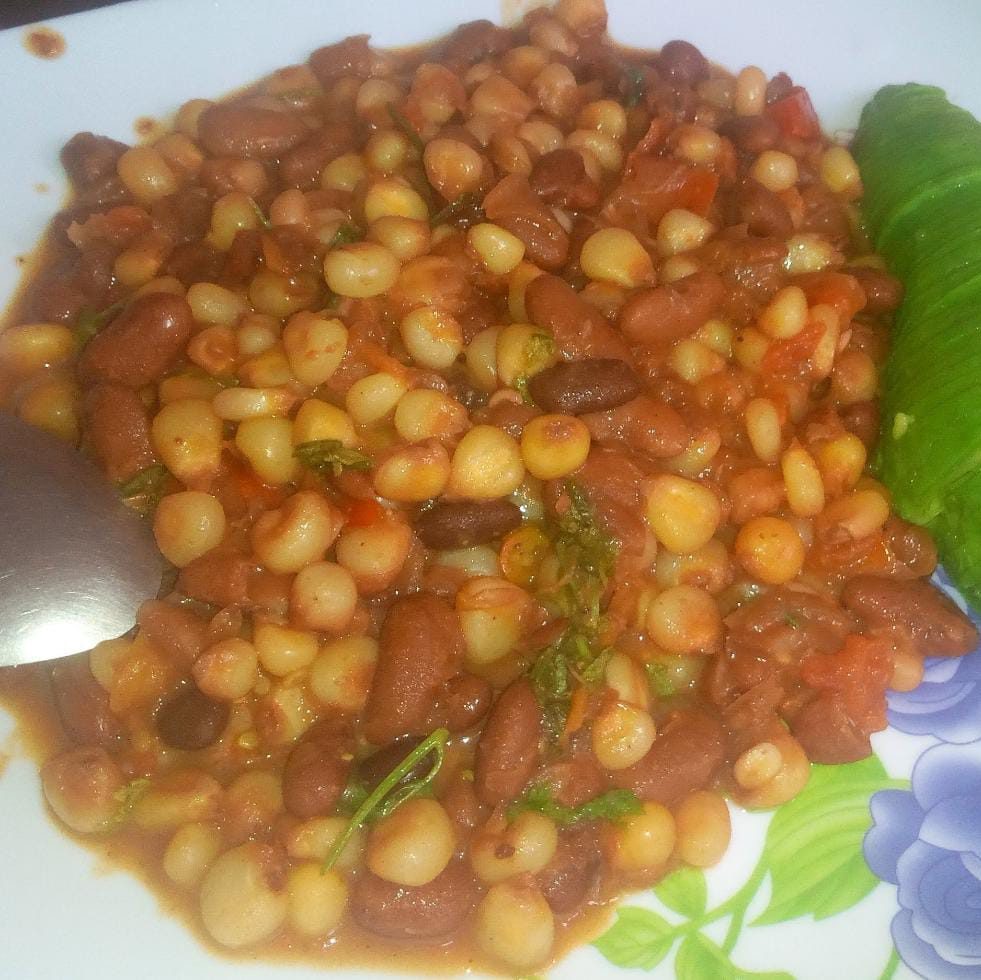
(947, 703)
(928, 842)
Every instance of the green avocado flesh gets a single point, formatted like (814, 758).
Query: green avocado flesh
(920, 158)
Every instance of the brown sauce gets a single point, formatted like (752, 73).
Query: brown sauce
(44, 42)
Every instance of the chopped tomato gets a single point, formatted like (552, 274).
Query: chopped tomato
(837, 289)
(857, 675)
(788, 356)
(251, 489)
(698, 191)
(795, 115)
(362, 513)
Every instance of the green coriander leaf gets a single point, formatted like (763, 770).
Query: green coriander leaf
(147, 484)
(263, 220)
(355, 793)
(330, 456)
(659, 678)
(382, 801)
(408, 130)
(634, 85)
(465, 208)
(127, 798)
(346, 234)
(613, 805)
(90, 322)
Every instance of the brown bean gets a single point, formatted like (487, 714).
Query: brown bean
(352, 56)
(577, 387)
(373, 769)
(174, 631)
(828, 734)
(669, 313)
(762, 211)
(935, 624)
(82, 703)
(462, 524)
(509, 751)
(560, 178)
(463, 702)
(682, 62)
(249, 132)
(645, 424)
(140, 344)
(89, 159)
(316, 770)
(571, 874)
(513, 205)
(425, 912)
(862, 420)
(118, 430)
(472, 42)
(218, 578)
(420, 647)
(883, 292)
(911, 546)
(301, 166)
(190, 720)
(685, 756)
(580, 330)
(751, 134)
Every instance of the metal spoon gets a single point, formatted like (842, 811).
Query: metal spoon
(75, 562)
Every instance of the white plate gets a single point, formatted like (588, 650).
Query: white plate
(62, 918)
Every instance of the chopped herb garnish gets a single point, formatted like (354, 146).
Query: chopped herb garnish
(585, 556)
(330, 456)
(378, 803)
(126, 799)
(613, 805)
(346, 234)
(659, 677)
(147, 484)
(792, 621)
(465, 209)
(263, 220)
(408, 130)
(355, 793)
(90, 322)
(634, 85)
(538, 351)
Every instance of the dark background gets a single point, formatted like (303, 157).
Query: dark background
(15, 12)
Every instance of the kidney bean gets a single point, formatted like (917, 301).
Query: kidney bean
(669, 313)
(911, 547)
(463, 702)
(573, 871)
(191, 720)
(509, 751)
(645, 424)
(249, 131)
(580, 330)
(883, 292)
(378, 765)
(683, 63)
(89, 159)
(862, 420)
(352, 56)
(316, 770)
(686, 754)
(560, 178)
(184, 216)
(461, 524)
(301, 166)
(751, 134)
(83, 704)
(827, 734)
(175, 631)
(118, 430)
(420, 647)
(218, 578)
(140, 344)
(935, 624)
(424, 912)
(762, 211)
(513, 205)
(578, 387)
(473, 42)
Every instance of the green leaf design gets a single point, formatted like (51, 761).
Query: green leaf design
(639, 939)
(684, 892)
(699, 959)
(814, 843)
